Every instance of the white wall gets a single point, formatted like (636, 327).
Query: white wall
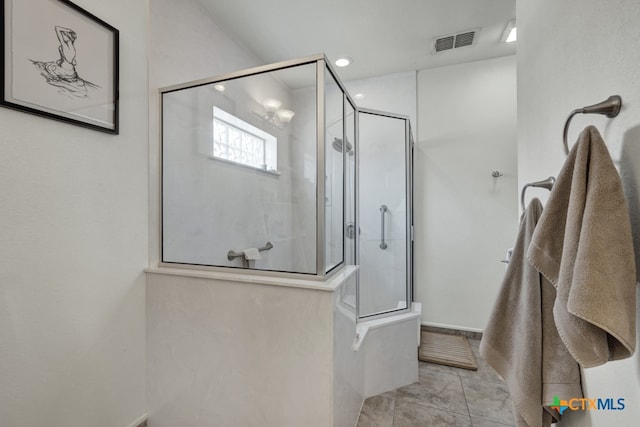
(566, 60)
(464, 218)
(73, 228)
(394, 93)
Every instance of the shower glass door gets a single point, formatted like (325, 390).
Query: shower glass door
(384, 212)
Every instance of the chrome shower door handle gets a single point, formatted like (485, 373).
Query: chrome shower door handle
(383, 209)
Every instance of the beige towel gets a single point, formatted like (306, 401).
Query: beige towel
(583, 246)
(521, 341)
(252, 254)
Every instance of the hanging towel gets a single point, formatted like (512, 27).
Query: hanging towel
(521, 341)
(583, 245)
(251, 254)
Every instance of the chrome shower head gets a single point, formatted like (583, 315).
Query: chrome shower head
(337, 145)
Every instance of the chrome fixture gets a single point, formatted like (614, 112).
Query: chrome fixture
(350, 230)
(231, 255)
(545, 183)
(609, 107)
(383, 209)
(337, 145)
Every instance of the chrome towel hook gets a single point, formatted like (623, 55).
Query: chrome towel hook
(610, 108)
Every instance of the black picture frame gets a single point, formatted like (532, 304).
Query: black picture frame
(76, 83)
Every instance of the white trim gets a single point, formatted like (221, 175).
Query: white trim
(446, 326)
(144, 417)
(362, 328)
(329, 285)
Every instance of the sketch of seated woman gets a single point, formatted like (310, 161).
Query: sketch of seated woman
(62, 73)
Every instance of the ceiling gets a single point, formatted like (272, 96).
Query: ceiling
(381, 36)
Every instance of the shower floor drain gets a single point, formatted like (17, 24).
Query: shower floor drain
(450, 350)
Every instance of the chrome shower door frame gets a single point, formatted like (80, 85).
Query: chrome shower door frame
(322, 65)
(408, 152)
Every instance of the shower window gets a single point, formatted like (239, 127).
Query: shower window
(237, 141)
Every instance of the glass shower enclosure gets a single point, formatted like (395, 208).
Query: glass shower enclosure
(385, 243)
(274, 170)
(247, 181)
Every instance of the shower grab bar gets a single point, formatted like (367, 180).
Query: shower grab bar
(231, 255)
(383, 209)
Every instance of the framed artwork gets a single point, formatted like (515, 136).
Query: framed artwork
(60, 61)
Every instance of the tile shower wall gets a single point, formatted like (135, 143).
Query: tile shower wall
(303, 147)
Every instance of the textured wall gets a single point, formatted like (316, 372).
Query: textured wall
(73, 227)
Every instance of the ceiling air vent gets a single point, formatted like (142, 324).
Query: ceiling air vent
(466, 38)
(444, 43)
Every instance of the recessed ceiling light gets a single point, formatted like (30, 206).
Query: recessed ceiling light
(359, 95)
(219, 87)
(343, 61)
